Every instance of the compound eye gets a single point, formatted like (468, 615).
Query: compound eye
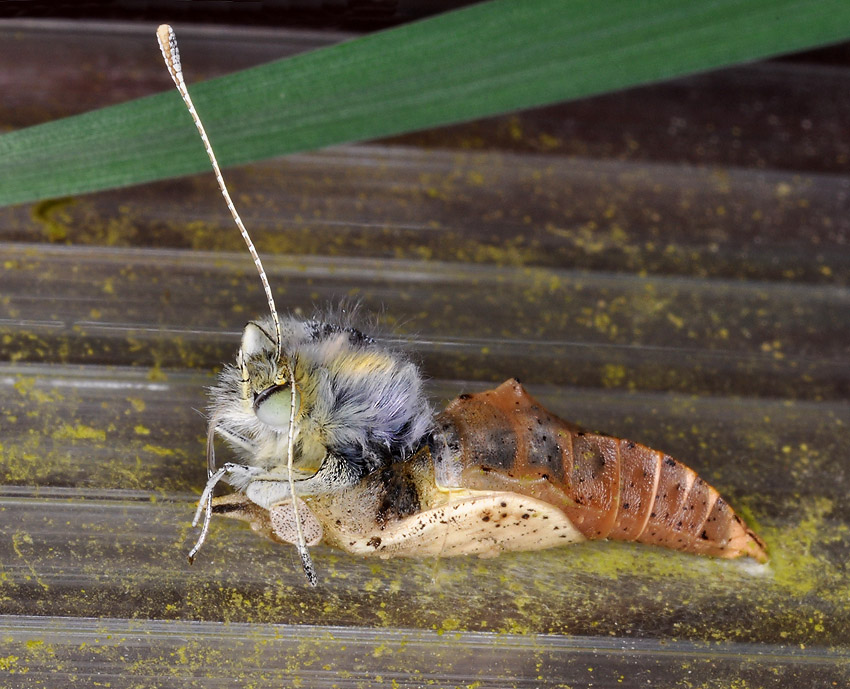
(272, 406)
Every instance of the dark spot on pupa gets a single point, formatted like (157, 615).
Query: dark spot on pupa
(669, 462)
(401, 496)
(625, 505)
(704, 535)
(503, 504)
(630, 445)
(526, 515)
(464, 396)
(485, 518)
(374, 542)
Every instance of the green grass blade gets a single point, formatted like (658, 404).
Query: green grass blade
(482, 60)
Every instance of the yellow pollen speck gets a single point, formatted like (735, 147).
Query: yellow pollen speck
(136, 403)
(9, 662)
(158, 450)
(677, 322)
(79, 432)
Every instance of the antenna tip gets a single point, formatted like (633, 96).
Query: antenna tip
(168, 45)
(164, 33)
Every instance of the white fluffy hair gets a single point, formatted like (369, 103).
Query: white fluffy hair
(362, 404)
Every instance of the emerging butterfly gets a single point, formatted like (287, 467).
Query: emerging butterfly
(339, 445)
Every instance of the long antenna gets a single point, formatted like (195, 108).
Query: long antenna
(168, 46)
(306, 561)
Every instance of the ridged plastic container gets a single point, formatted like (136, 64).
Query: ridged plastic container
(669, 264)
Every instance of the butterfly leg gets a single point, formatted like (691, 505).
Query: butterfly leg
(268, 489)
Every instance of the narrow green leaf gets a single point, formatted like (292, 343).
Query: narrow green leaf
(482, 60)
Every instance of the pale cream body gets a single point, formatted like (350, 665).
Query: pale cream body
(467, 523)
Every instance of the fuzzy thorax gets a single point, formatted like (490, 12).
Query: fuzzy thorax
(360, 404)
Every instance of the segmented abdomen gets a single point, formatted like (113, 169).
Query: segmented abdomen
(503, 439)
